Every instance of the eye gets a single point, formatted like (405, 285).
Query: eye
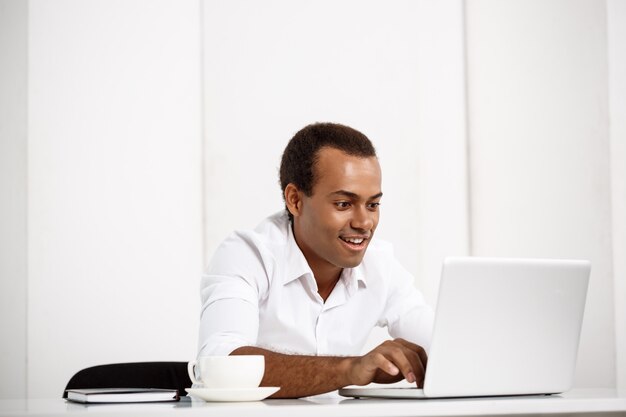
(373, 206)
(342, 204)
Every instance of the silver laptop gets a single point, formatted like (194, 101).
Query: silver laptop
(502, 327)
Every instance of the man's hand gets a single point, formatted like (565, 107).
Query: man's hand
(301, 376)
(391, 361)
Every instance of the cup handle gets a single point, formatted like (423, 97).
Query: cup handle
(191, 371)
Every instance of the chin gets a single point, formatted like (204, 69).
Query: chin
(353, 263)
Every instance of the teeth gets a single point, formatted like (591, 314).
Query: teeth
(353, 240)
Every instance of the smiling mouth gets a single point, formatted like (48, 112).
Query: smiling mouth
(354, 242)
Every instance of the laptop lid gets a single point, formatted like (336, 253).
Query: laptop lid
(505, 327)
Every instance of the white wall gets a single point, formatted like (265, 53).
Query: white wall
(393, 70)
(539, 146)
(114, 185)
(13, 66)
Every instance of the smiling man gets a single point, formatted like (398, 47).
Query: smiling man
(306, 287)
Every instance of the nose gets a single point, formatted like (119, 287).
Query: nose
(363, 219)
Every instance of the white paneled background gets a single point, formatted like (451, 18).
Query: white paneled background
(135, 135)
(539, 147)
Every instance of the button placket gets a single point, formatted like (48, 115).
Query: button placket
(321, 332)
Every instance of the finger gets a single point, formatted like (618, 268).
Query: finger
(414, 354)
(420, 372)
(423, 356)
(380, 361)
(405, 360)
(406, 343)
(419, 366)
(416, 348)
(409, 345)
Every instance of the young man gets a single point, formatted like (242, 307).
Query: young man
(306, 287)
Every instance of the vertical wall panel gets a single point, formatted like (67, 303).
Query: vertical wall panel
(539, 147)
(441, 155)
(616, 20)
(115, 229)
(13, 143)
(391, 69)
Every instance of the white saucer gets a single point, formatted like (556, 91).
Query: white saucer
(232, 394)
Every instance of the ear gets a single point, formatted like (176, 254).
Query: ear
(293, 199)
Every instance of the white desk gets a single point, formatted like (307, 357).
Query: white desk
(575, 403)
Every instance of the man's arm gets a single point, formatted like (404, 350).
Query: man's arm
(302, 376)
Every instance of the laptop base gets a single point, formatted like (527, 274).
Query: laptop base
(412, 393)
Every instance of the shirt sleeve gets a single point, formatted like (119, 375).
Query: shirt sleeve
(230, 290)
(407, 315)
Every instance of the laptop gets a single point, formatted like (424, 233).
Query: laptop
(502, 327)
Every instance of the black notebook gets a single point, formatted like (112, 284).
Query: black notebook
(121, 395)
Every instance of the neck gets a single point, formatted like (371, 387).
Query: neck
(326, 280)
(326, 274)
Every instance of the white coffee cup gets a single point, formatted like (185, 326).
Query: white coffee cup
(237, 371)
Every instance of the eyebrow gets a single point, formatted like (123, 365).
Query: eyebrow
(354, 196)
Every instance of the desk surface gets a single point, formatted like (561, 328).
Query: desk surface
(576, 402)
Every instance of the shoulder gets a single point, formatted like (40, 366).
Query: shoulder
(250, 249)
(274, 229)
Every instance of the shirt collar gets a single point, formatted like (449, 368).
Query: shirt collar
(351, 278)
(297, 266)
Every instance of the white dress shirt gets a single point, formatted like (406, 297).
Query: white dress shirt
(260, 291)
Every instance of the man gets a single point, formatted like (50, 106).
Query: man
(306, 287)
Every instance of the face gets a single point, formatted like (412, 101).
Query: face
(334, 226)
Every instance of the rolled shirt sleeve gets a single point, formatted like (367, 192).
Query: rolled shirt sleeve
(229, 318)
(230, 291)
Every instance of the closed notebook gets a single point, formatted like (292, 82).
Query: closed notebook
(121, 395)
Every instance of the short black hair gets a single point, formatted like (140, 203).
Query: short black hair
(302, 152)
